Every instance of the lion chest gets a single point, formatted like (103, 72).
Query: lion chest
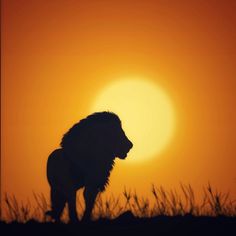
(93, 174)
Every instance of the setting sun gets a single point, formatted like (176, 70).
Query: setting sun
(146, 113)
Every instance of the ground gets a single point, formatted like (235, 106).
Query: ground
(161, 225)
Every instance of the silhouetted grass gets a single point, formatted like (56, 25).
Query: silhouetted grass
(166, 203)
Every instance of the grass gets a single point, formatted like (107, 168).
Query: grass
(164, 203)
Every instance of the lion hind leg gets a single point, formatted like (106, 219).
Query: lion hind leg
(58, 202)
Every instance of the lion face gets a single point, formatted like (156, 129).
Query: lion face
(120, 144)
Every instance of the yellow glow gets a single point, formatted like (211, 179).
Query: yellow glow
(146, 114)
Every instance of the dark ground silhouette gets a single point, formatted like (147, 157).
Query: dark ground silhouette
(129, 225)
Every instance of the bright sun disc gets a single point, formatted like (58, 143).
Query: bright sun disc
(145, 111)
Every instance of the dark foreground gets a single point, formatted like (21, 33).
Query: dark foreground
(161, 225)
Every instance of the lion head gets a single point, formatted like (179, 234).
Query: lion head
(99, 135)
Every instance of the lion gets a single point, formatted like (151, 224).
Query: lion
(85, 159)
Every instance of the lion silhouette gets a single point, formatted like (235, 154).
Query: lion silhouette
(85, 159)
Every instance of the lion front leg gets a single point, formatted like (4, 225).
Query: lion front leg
(90, 194)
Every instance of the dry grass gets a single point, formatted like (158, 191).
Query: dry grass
(167, 203)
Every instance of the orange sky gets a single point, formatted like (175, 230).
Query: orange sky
(57, 55)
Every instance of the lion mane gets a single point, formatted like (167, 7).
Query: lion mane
(88, 146)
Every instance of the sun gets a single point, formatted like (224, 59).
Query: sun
(146, 113)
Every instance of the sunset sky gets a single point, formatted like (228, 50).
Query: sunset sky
(58, 55)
